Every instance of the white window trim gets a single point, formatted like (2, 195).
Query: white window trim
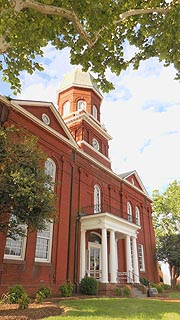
(84, 105)
(66, 108)
(23, 249)
(53, 176)
(129, 211)
(97, 199)
(95, 112)
(49, 250)
(138, 217)
(49, 247)
(141, 257)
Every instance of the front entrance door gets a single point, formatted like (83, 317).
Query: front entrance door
(95, 260)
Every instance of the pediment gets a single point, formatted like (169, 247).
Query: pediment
(133, 178)
(47, 115)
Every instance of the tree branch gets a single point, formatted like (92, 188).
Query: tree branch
(19, 5)
(3, 45)
(135, 12)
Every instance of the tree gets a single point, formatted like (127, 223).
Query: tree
(26, 193)
(95, 31)
(169, 251)
(166, 220)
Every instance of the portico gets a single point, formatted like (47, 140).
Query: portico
(110, 229)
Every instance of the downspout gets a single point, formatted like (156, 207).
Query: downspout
(70, 217)
(121, 202)
(76, 247)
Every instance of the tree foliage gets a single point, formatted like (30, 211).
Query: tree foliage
(95, 31)
(166, 219)
(166, 210)
(169, 251)
(26, 193)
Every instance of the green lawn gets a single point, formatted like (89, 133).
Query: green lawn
(174, 295)
(119, 308)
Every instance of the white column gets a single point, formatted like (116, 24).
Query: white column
(104, 259)
(113, 258)
(128, 258)
(116, 260)
(83, 254)
(135, 260)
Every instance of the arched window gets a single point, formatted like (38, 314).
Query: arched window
(138, 220)
(44, 238)
(97, 199)
(50, 169)
(66, 108)
(81, 105)
(94, 112)
(129, 211)
(93, 237)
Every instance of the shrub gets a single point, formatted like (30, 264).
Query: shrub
(42, 293)
(88, 286)
(126, 291)
(144, 281)
(5, 298)
(17, 295)
(39, 297)
(158, 286)
(166, 286)
(178, 286)
(66, 289)
(24, 301)
(117, 291)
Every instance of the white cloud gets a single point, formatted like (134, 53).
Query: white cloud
(44, 85)
(144, 124)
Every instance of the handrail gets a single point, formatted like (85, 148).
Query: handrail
(95, 273)
(130, 276)
(135, 275)
(104, 207)
(124, 276)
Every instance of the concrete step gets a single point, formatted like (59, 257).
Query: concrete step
(138, 293)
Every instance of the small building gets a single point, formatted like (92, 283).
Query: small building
(104, 228)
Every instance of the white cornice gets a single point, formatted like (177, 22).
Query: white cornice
(43, 104)
(83, 115)
(109, 221)
(96, 151)
(40, 123)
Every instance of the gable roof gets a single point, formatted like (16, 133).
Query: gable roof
(29, 109)
(133, 175)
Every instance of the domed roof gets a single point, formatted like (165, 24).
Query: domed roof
(79, 78)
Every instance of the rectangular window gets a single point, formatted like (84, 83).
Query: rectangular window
(141, 257)
(15, 248)
(43, 244)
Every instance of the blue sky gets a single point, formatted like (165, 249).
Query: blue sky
(142, 115)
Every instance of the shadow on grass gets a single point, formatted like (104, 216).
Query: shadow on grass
(122, 309)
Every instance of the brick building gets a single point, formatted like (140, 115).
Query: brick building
(105, 227)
